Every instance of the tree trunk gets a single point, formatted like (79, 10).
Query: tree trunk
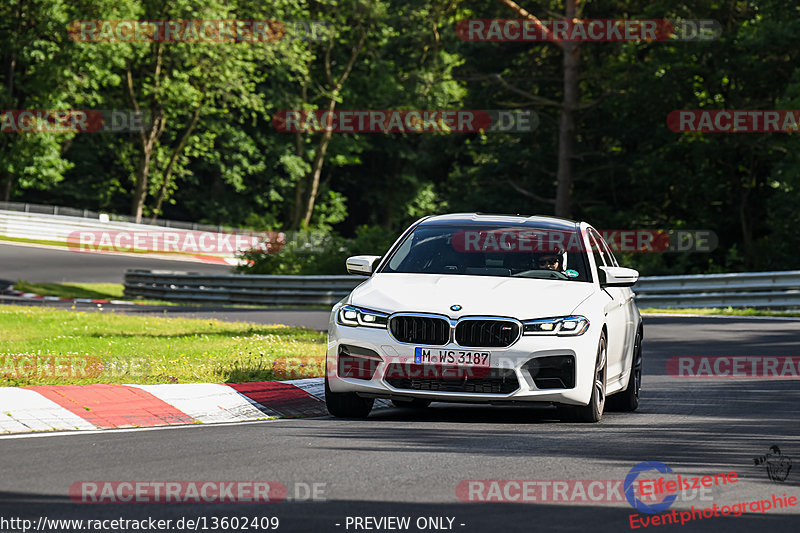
(565, 174)
(162, 193)
(148, 146)
(7, 188)
(316, 169)
(11, 68)
(299, 151)
(140, 190)
(297, 209)
(335, 87)
(148, 139)
(566, 126)
(747, 228)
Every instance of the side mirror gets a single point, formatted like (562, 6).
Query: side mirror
(618, 276)
(361, 264)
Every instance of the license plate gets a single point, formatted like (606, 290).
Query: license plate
(452, 357)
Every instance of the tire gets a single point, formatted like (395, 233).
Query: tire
(415, 403)
(592, 412)
(347, 404)
(628, 400)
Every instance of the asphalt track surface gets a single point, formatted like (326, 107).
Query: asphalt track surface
(402, 463)
(53, 265)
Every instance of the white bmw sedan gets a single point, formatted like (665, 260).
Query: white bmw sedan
(488, 309)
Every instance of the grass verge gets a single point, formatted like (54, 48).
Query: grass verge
(45, 346)
(728, 311)
(115, 291)
(32, 241)
(94, 291)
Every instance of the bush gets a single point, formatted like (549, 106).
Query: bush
(319, 252)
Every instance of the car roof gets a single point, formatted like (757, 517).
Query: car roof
(483, 219)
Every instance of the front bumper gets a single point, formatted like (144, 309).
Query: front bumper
(509, 377)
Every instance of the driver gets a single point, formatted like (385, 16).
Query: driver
(550, 261)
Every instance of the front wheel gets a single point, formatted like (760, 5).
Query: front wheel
(347, 404)
(628, 400)
(592, 412)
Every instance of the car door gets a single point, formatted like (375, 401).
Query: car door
(630, 313)
(615, 310)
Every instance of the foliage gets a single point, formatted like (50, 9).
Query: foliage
(320, 252)
(234, 168)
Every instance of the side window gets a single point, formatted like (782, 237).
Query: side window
(612, 261)
(597, 251)
(401, 253)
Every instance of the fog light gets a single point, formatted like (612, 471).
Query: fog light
(357, 362)
(552, 372)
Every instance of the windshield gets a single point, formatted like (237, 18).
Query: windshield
(541, 253)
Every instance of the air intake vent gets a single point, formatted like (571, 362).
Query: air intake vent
(486, 333)
(420, 329)
(486, 381)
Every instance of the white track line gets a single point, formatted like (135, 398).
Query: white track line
(156, 428)
(730, 317)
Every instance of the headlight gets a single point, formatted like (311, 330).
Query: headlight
(349, 315)
(563, 325)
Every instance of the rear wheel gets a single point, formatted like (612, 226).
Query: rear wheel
(592, 412)
(347, 404)
(415, 403)
(628, 400)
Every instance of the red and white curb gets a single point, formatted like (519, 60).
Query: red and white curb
(91, 407)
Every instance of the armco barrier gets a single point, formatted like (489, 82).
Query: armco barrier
(55, 210)
(746, 289)
(759, 289)
(64, 228)
(238, 288)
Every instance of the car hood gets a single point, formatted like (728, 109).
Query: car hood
(521, 298)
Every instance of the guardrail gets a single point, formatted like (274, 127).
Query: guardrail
(759, 289)
(238, 288)
(747, 289)
(118, 235)
(57, 210)
(115, 233)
